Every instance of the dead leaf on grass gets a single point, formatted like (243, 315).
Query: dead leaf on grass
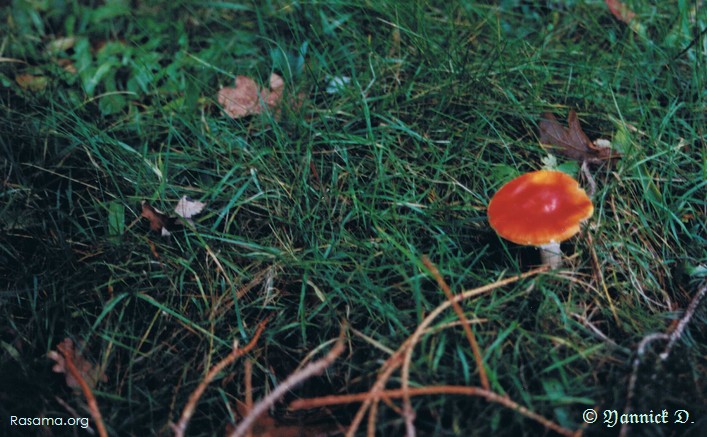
(571, 142)
(59, 45)
(188, 208)
(160, 222)
(620, 10)
(67, 65)
(247, 98)
(88, 371)
(30, 82)
(158, 219)
(242, 100)
(277, 86)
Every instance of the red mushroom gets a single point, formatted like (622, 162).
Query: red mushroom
(542, 209)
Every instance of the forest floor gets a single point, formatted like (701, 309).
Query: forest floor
(332, 164)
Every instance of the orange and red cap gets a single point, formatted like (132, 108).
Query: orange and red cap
(539, 208)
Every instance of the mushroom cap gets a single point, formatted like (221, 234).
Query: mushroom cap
(539, 208)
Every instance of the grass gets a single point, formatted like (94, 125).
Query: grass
(323, 213)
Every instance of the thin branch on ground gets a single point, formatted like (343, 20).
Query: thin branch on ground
(634, 373)
(465, 322)
(397, 359)
(689, 312)
(585, 322)
(90, 398)
(371, 401)
(324, 401)
(248, 370)
(408, 413)
(288, 384)
(648, 339)
(180, 427)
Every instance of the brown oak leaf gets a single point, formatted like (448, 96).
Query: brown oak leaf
(88, 371)
(571, 142)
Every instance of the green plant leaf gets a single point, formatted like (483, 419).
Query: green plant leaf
(116, 221)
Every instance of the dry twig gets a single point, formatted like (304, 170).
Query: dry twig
(180, 427)
(288, 384)
(396, 360)
(408, 413)
(689, 312)
(648, 339)
(68, 353)
(392, 365)
(465, 322)
(634, 373)
(303, 404)
(248, 370)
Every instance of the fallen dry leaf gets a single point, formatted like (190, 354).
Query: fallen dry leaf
(58, 45)
(620, 10)
(88, 371)
(158, 220)
(188, 208)
(242, 100)
(571, 142)
(31, 82)
(248, 98)
(67, 65)
(277, 86)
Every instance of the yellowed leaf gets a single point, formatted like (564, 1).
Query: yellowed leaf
(60, 44)
(29, 82)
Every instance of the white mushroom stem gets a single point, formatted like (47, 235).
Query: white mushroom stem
(551, 255)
